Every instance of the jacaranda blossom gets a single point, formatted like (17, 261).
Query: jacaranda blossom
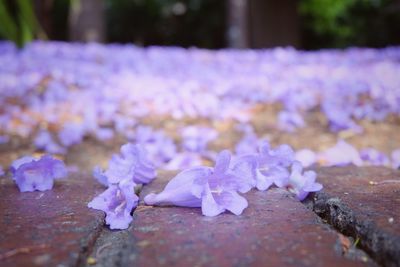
(215, 190)
(124, 172)
(307, 157)
(32, 174)
(131, 164)
(195, 139)
(339, 155)
(396, 158)
(372, 156)
(272, 165)
(300, 183)
(184, 160)
(45, 141)
(117, 202)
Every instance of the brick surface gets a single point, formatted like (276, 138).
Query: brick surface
(275, 230)
(50, 228)
(373, 193)
(363, 203)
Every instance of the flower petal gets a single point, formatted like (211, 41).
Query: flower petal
(231, 201)
(209, 206)
(222, 161)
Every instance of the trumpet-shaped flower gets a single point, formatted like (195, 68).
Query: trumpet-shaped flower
(340, 154)
(272, 165)
(32, 174)
(131, 164)
(117, 201)
(212, 189)
(300, 183)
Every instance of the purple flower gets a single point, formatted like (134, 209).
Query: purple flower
(71, 134)
(131, 164)
(307, 157)
(272, 165)
(183, 161)
(31, 174)
(1, 171)
(4, 139)
(214, 189)
(160, 147)
(117, 201)
(339, 155)
(249, 142)
(99, 175)
(195, 139)
(301, 184)
(289, 121)
(374, 157)
(396, 158)
(45, 141)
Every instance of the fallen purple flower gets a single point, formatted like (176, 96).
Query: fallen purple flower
(307, 157)
(131, 164)
(117, 201)
(183, 161)
(71, 134)
(372, 156)
(339, 155)
(289, 121)
(302, 184)
(396, 159)
(44, 140)
(249, 142)
(272, 165)
(195, 139)
(31, 174)
(214, 189)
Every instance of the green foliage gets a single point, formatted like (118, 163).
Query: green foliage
(340, 23)
(20, 27)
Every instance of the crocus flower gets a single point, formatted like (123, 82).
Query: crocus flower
(339, 155)
(300, 183)
(31, 174)
(272, 165)
(117, 201)
(214, 189)
(131, 164)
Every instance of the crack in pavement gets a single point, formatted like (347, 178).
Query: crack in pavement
(381, 246)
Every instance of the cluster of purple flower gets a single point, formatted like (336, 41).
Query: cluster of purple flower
(100, 90)
(217, 189)
(124, 173)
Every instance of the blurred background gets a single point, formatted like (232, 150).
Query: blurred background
(303, 24)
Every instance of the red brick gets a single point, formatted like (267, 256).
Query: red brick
(48, 228)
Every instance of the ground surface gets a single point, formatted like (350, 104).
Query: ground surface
(354, 221)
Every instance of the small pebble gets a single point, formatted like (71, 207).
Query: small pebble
(91, 261)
